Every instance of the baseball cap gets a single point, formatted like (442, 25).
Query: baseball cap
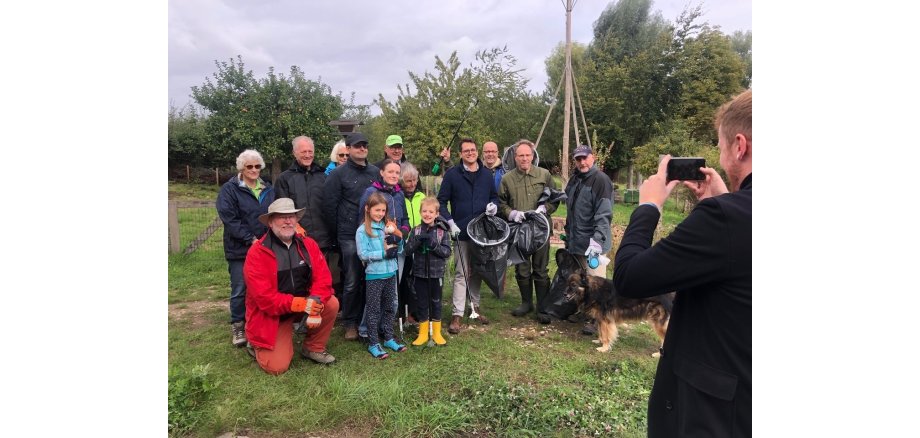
(582, 151)
(394, 139)
(355, 138)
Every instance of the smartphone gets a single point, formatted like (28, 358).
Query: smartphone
(686, 169)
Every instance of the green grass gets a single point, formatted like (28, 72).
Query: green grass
(513, 377)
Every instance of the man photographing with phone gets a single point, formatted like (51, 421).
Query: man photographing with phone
(703, 383)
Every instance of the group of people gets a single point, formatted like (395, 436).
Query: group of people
(287, 245)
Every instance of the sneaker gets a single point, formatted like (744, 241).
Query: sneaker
(238, 330)
(250, 350)
(351, 333)
(377, 351)
(395, 346)
(322, 357)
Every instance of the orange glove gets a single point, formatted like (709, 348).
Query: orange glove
(299, 230)
(298, 304)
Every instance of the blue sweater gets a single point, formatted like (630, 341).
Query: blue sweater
(468, 193)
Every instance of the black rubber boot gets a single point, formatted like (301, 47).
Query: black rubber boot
(541, 287)
(526, 287)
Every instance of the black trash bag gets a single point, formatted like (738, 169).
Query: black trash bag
(532, 233)
(489, 252)
(551, 196)
(559, 307)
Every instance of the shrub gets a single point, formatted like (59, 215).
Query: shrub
(188, 393)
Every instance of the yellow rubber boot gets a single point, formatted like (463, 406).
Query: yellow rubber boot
(422, 334)
(436, 328)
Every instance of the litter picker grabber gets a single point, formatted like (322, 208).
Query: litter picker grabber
(466, 279)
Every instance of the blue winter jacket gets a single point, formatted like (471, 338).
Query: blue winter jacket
(239, 210)
(468, 193)
(371, 252)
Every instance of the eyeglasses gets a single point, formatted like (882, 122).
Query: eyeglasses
(343, 155)
(395, 146)
(250, 166)
(359, 146)
(468, 151)
(490, 152)
(288, 217)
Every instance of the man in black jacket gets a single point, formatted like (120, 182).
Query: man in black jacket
(341, 193)
(303, 182)
(703, 383)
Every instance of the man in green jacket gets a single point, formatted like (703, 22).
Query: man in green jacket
(518, 193)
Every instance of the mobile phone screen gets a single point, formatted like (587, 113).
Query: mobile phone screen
(686, 169)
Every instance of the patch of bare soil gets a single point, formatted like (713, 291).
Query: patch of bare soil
(193, 310)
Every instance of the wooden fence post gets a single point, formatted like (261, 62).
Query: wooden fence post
(173, 227)
(216, 176)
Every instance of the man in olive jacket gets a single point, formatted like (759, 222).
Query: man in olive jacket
(518, 193)
(703, 383)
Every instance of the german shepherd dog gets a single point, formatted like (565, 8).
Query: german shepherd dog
(597, 299)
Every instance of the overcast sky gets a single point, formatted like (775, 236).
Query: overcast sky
(367, 47)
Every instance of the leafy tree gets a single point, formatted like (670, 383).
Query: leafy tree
(187, 138)
(742, 43)
(491, 94)
(266, 114)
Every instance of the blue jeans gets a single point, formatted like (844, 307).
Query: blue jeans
(237, 291)
(352, 284)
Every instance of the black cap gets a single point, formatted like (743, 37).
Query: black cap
(355, 138)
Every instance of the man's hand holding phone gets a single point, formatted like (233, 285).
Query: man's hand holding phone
(713, 185)
(657, 188)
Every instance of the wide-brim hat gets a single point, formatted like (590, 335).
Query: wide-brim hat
(281, 206)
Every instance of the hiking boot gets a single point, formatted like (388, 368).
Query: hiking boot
(483, 320)
(454, 326)
(590, 328)
(321, 357)
(351, 333)
(238, 330)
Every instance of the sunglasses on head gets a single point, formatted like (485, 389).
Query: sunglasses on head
(250, 166)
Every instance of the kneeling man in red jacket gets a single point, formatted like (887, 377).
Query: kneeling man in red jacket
(287, 279)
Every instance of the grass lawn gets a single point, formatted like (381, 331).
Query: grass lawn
(513, 377)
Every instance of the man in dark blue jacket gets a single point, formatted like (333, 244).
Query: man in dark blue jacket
(468, 188)
(703, 383)
(342, 191)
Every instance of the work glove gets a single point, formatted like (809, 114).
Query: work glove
(516, 216)
(541, 209)
(314, 310)
(391, 253)
(392, 239)
(491, 209)
(454, 229)
(594, 249)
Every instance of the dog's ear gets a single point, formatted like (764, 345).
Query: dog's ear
(563, 259)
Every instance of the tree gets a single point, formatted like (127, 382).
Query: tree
(491, 94)
(187, 137)
(266, 114)
(742, 44)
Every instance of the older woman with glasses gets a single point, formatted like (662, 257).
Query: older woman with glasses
(239, 204)
(337, 157)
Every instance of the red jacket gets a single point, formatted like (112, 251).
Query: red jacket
(265, 305)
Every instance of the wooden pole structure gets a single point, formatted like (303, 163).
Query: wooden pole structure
(569, 4)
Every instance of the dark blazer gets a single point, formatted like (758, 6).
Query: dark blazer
(703, 383)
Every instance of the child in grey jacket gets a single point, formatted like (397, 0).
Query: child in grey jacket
(429, 245)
